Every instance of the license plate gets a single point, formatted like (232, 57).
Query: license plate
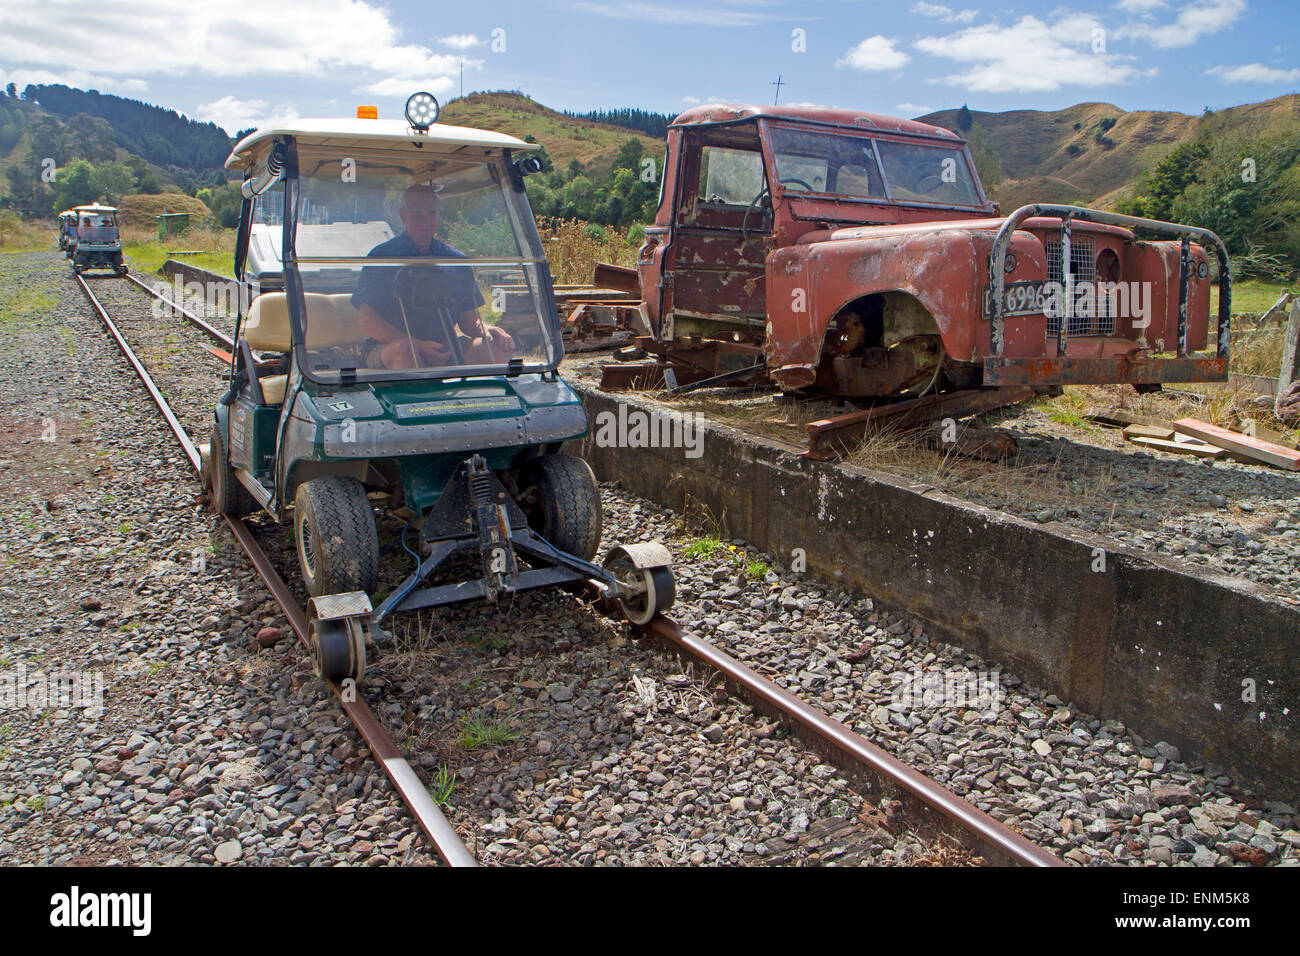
(1018, 298)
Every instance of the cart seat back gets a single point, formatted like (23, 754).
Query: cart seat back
(332, 320)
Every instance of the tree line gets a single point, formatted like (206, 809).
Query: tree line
(626, 193)
(162, 136)
(644, 121)
(1243, 185)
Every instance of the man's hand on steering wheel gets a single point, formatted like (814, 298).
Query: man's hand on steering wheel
(498, 337)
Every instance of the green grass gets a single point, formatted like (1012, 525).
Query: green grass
(20, 306)
(479, 732)
(708, 547)
(1251, 295)
(36, 803)
(756, 570)
(30, 236)
(443, 784)
(494, 642)
(148, 255)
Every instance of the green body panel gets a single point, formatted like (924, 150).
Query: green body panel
(427, 426)
(253, 435)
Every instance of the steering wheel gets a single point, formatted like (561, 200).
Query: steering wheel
(749, 210)
(413, 286)
(929, 184)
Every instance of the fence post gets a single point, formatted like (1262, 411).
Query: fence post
(1290, 371)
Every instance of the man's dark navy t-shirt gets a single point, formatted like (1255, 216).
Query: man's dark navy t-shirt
(449, 289)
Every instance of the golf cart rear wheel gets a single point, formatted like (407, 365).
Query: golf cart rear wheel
(334, 527)
(651, 591)
(338, 649)
(229, 497)
(560, 497)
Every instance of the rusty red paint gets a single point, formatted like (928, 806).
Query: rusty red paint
(889, 272)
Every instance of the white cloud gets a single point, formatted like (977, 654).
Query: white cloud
(657, 13)
(233, 114)
(461, 41)
(1197, 19)
(1031, 56)
(439, 86)
(1141, 7)
(1254, 73)
(874, 53)
(946, 14)
(913, 109)
(308, 38)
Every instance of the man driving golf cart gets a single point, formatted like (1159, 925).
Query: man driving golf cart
(376, 362)
(407, 317)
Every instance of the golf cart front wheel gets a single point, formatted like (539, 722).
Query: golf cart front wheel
(646, 591)
(338, 649)
(338, 545)
(562, 503)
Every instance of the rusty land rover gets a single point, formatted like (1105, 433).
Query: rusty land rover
(858, 256)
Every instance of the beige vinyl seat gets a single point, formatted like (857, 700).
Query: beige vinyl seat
(332, 320)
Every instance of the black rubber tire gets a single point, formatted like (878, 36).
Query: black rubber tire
(229, 497)
(560, 497)
(334, 530)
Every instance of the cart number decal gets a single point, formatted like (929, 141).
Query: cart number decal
(341, 406)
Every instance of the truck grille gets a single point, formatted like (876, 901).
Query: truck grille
(1095, 319)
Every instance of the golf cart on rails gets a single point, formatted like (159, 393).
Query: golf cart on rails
(67, 230)
(95, 243)
(373, 355)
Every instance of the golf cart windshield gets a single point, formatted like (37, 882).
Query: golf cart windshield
(418, 262)
(97, 225)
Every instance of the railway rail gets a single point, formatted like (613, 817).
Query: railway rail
(922, 804)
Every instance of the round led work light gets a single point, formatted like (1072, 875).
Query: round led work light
(422, 110)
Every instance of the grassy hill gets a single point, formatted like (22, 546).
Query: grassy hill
(565, 137)
(1095, 152)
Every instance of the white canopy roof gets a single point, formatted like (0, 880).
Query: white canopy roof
(368, 133)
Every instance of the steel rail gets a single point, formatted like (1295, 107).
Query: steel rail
(189, 316)
(923, 800)
(386, 753)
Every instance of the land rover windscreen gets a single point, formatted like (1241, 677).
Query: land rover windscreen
(846, 168)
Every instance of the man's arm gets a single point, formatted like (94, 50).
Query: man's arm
(471, 323)
(375, 327)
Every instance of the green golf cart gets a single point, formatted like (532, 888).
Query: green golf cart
(95, 242)
(398, 345)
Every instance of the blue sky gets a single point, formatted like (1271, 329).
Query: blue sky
(241, 63)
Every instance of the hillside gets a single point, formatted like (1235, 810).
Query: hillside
(1095, 152)
(565, 137)
(160, 135)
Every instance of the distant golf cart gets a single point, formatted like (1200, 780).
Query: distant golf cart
(96, 243)
(67, 230)
(374, 358)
